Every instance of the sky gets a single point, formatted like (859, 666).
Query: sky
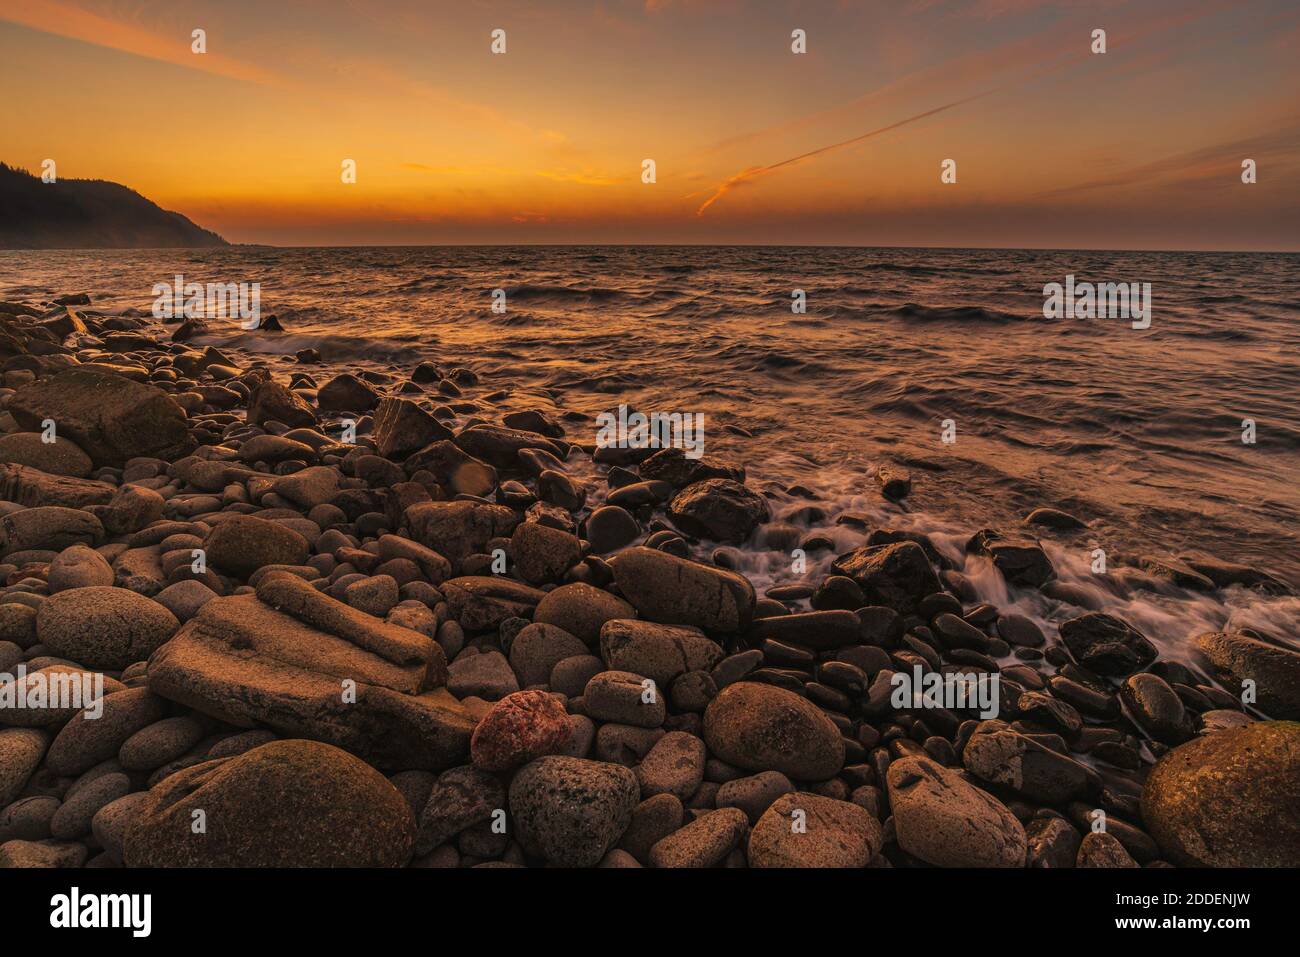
(1054, 145)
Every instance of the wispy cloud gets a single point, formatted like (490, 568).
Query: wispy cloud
(76, 23)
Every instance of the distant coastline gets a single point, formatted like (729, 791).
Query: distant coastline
(88, 214)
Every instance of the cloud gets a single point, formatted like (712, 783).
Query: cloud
(75, 23)
(754, 172)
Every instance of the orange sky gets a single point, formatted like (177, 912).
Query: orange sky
(1055, 146)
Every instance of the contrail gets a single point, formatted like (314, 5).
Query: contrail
(756, 171)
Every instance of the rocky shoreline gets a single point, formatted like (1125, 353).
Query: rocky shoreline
(337, 619)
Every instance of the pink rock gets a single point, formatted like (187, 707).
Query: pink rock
(520, 727)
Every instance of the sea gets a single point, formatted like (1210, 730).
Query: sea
(1176, 436)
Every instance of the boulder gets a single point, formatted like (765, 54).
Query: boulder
(570, 811)
(677, 591)
(832, 833)
(242, 544)
(482, 602)
(1275, 670)
(1107, 645)
(103, 627)
(719, 509)
(32, 488)
(896, 575)
(458, 529)
(659, 652)
(284, 804)
(947, 822)
(1228, 799)
(360, 687)
(347, 393)
(521, 727)
(761, 727)
(60, 457)
(48, 528)
(272, 402)
(402, 427)
(109, 417)
(581, 610)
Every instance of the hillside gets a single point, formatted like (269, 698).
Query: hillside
(87, 214)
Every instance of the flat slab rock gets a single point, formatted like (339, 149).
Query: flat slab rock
(243, 662)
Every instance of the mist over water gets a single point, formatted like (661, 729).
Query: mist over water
(1137, 432)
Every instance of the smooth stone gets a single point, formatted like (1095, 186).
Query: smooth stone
(808, 830)
(761, 727)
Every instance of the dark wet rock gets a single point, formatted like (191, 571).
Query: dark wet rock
(895, 483)
(109, 417)
(272, 402)
(1275, 670)
(819, 630)
(60, 457)
(1020, 631)
(999, 755)
(570, 811)
(1157, 708)
(1176, 573)
(674, 467)
(1021, 561)
(521, 727)
(652, 820)
(672, 590)
(760, 727)
(658, 652)
(611, 527)
(719, 509)
(1053, 518)
(103, 627)
(835, 592)
(832, 833)
(1052, 842)
(402, 427)
(500, 446)
(1228, 799)
(284, 804)
(897, 576)
(1106, 645)
(347, 393)
(945, 821)
(1226, 574)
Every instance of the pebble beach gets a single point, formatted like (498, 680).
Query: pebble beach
(333, 616)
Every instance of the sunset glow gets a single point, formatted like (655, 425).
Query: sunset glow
(1055, 146)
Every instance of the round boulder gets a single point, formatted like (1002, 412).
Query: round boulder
(285, 804)
(764, 728)
(103, 627)
(1228, 799)
(570, 811)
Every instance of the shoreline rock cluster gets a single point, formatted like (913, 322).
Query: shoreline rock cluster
(440, 644)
